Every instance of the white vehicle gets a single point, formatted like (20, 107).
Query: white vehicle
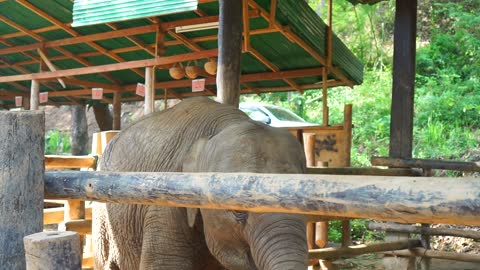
(273, 115)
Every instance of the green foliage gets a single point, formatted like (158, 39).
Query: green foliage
(57, 142)
(358, 229)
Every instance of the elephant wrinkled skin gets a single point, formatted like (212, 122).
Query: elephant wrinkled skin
(199, 135)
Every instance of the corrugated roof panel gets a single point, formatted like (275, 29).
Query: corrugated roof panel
(88, 12)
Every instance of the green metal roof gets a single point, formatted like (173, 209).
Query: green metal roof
(273, 45)
(88, 12)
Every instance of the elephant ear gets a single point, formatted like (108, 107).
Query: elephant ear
(191, 163)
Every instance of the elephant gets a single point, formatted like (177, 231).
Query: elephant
(199, 135)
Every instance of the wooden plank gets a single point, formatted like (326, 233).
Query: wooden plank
(409, 200)
(80, 226)
(112, 67)
(401, 123)
(56, 215)
(351, 251)
(426, 164)
(21, 183)
(73, 162)
(412, 229)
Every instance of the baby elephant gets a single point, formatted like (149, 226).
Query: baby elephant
(199, 135)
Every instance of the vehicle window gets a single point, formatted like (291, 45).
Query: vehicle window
(249, 111)
(284, 115)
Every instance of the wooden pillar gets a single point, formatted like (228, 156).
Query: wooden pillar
(325, 119)
(309, 148)
(347, 129)
(149, 91)
(117, 110)
(53, 250)
(21, 182)
(34, 95)
(229, 52)
(401, 126)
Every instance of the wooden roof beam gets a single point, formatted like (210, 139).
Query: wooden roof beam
(273, 67)
(245, 78)
(287, 32)
(74, 33)
(41, 39)
(112, 67)
(37, 31)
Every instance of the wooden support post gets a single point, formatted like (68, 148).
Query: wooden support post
(246, 26)
(321, 234)
(149, 91)
(309, 147)
(53, 250)
(117, 110)
(395, 263)
(165, 98)
(311, 235)
(401, 125)
(325, 97)
(425, 262)
(347, 129)
(34, 95)
(74, 209)
(229, 52)
(21, 182)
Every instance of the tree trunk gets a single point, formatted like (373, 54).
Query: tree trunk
(79, 130)
(229, 52)
(103, 117)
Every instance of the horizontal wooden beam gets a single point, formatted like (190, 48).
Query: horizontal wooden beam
(56, 161)
(56, 215)
(406, 228)
(111, 67)
(397, 199)
(113, 34)
(427, 253)
(80, 226)
(426, 164)
(365, 171)
(351, 251)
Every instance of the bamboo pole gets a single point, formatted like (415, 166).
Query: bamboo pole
(404, 199)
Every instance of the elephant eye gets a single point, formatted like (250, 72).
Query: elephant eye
(240, 216)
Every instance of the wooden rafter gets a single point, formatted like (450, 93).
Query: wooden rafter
(112, 67)
(72, 32)
(287, 32)
(41, 39)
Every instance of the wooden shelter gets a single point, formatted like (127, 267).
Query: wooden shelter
(281, 51)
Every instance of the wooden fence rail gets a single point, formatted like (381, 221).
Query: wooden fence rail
(398, 199)
(426, 164)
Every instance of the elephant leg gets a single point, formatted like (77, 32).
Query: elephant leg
(168, 242)
(100, 233)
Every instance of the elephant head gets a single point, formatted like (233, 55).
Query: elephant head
(247, 240)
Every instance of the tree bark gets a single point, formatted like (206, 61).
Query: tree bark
(229, 52)
(79, 130)
(103, 117)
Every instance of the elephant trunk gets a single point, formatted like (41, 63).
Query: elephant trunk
(279, 242)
